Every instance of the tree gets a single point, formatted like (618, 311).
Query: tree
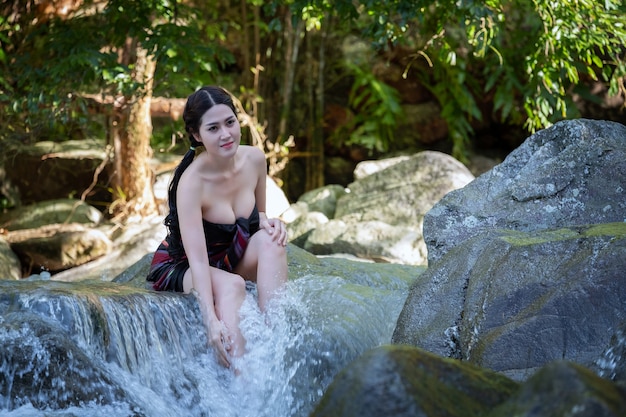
(58, 56)
(531, 58)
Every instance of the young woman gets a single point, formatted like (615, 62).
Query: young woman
(218, 233)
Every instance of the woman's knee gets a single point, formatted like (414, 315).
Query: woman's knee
(234, 288)
(269, 247)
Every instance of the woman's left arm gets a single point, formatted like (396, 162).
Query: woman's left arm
(274, 227)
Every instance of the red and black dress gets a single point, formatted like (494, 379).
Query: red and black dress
(226, 244)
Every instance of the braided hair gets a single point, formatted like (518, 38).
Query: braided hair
(197, 104)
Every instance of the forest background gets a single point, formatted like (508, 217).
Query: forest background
(313, 79)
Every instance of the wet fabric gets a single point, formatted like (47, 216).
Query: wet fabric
(226, 244)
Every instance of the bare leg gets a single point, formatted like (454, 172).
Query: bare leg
(229, 292)
(264, 262)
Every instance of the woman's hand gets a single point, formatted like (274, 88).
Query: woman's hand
(219, 337)
(276, 229)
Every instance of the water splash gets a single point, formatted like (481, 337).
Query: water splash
(140, 353)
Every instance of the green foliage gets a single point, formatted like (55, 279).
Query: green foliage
(377, 110)
(49, 62)
(531, 59)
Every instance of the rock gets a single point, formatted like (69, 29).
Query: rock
(402, 193)
(58, 247)
(565, 389)
(367, 168)
(300, 230)
(569, 174)
(49, 170)
(373, 240)
(404, 381)
(323, 199)
(46, 368)
(44, 213)
(303, 264)
(10, 267)
(381, 217)
(131, 243)
(513, 301)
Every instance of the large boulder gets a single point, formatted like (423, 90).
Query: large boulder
(526, 262)
(513, 301)
(61, 211)
(58, 247)
(381, 216)
(569, 174)
(404, 381)
(49, 170)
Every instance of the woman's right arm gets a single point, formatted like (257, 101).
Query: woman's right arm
(188, 199)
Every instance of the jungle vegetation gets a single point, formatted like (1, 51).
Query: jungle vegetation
(91, 68)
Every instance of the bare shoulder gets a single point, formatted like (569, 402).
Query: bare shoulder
(189, 183)
(252, 155)
(252, 152)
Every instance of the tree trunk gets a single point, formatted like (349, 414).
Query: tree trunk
(315, 147)
(130, 134)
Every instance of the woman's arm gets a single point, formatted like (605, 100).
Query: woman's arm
(274, 227)
(189, 207)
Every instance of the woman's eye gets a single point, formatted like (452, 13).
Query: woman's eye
(230, 122)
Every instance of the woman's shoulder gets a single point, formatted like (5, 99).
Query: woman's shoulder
(251, 151)
(252, 154)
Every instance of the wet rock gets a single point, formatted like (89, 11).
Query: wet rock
(565, 389)
(41, 365)
(403, 381)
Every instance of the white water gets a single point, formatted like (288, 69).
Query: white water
(155, 350)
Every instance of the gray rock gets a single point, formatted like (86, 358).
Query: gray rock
(302, 227)
(375, 240)
(323, 199)
(402, 193)
(564, 389)
(513, 301)
(50, 170)
(58, 247)
(381, 217)
(402, 381)
(569, 174)
(44, 213)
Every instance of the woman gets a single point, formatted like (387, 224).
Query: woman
(218, 233)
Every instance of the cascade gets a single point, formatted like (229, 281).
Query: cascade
(93, 349)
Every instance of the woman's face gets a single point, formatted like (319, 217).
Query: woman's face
(219, 130)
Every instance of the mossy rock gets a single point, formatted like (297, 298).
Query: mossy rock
(404, 381)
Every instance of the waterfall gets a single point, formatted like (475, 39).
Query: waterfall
(94, 349)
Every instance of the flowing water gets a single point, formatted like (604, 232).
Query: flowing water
(106, 350)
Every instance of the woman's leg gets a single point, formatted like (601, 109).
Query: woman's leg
(229, 293)
(264, 262)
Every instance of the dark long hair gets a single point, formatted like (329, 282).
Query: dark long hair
(197, 104)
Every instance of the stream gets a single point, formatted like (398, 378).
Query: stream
(105, 349)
